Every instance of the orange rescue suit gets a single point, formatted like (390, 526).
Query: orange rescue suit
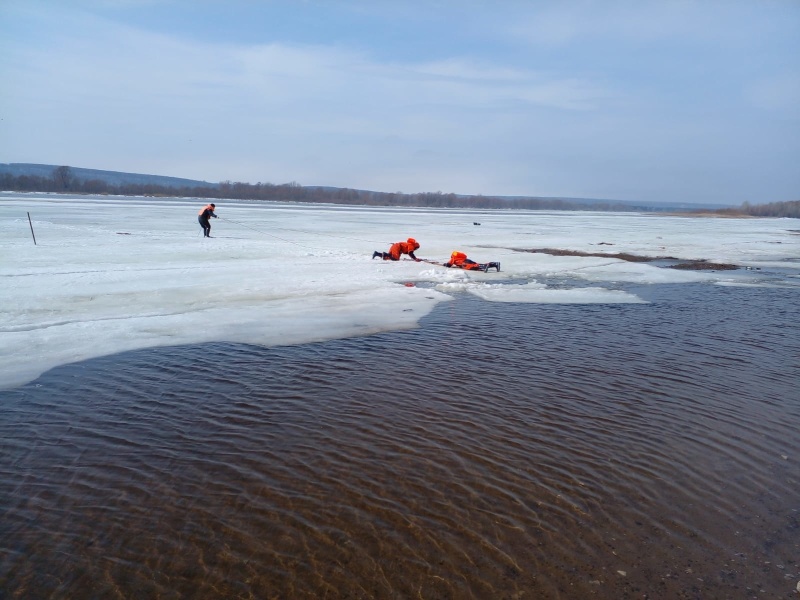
(459, 259)
(399, 248)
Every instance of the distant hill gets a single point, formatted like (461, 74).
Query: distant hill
(113, 178)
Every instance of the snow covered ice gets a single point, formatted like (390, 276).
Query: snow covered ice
(110, 274)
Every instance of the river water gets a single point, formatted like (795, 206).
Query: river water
(497, 451)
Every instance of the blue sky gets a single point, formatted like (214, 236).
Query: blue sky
(695, 101)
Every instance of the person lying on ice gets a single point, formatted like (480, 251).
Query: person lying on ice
(460, 260)
(399, 248)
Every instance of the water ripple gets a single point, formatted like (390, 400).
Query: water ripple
(547, 452)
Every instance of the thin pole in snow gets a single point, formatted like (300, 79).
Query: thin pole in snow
(31, 224)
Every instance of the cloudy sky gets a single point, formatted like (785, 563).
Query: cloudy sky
(694, 101)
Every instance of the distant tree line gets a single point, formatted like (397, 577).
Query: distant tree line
(63, 180)
(294, 192)
(773, 209)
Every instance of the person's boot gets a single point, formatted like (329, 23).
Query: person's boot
(376, 253)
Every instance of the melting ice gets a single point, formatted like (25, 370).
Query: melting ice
(109, 274)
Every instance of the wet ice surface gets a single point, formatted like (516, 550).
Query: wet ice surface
(110, 274)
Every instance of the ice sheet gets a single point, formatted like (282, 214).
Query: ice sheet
(542, 294)
(109, 274)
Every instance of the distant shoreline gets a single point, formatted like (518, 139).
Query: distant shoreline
(710, 214)
(35, 177)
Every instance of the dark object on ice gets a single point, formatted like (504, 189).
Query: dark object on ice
(690, 265)
(701, 265)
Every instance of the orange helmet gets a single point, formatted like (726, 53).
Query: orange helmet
(412, 242)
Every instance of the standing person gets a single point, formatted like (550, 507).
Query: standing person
(203, 218)
(398, 249)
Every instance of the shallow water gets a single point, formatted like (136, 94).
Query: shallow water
(498, 451)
